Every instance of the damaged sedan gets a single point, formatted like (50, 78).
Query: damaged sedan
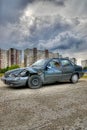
(44, 71)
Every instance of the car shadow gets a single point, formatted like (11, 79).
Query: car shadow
(45, 85)
(26, 87)
(17, 88)
(57, 83)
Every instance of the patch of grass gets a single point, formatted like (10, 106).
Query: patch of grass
(84, 76)
(1, 74)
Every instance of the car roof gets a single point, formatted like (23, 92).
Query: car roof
(58, 58)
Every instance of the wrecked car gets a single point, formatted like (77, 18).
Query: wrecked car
(44, 71)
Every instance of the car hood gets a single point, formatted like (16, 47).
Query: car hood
(78, 68)
(13, 71)
(30, 69)
(34, 69)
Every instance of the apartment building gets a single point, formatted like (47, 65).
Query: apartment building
(14, 56)
(10, 57)
(3, 59)
(53, 55)
(32, 55)
(42, 54)
(28, 57)
(84, 63)
(73, 60)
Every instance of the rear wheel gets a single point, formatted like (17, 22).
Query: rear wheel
(74, 78)
(34, 82)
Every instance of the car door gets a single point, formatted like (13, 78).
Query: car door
(67, 69)
(53, 73)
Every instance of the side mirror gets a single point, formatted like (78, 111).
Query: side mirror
(48, 67)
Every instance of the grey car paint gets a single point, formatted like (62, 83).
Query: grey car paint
(67, 72)
(52, 73)
(48, 74)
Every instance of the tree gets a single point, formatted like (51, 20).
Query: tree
(85, 68)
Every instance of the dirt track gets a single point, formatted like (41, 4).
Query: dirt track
(53, 107)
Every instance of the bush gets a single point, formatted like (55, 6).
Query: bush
(85, 68)
(13, 67)
(9, 68)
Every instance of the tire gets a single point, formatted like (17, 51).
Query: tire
(34, 82)
(74, 78)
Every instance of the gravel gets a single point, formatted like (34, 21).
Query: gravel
(60, 106)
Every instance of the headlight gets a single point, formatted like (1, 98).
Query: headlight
(10, 75)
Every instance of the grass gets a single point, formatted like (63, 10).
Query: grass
(1, 74)
(85, 75)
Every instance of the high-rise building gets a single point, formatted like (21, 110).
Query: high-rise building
(42, 54)
(73, 60)
(14, 56)
(3, 59)
(32, 55)
(53, 55)
(28, 57)
(46, 53)
(84, 63)
(60, 56)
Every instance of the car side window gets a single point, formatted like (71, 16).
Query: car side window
(65, 62)
(54, 64)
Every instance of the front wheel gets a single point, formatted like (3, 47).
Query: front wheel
(74, 78)
(34, 82)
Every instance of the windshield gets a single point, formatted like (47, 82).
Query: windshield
(39, 63)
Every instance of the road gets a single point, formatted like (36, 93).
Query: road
(60, 106)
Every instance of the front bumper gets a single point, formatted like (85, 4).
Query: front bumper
(13, 81)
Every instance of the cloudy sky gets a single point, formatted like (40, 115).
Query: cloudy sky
(57, 25)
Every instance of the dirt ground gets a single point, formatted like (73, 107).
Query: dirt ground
(60, 106)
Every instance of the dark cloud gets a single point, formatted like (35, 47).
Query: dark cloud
(10, 10)
(57, 2)
(71, 44)
(45, 30)
(44, 24)
(47, 33)
(69, 41)
(52, 32)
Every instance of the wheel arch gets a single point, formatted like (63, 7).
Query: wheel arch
(30, 74)
(39, 79)
(73, 74)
